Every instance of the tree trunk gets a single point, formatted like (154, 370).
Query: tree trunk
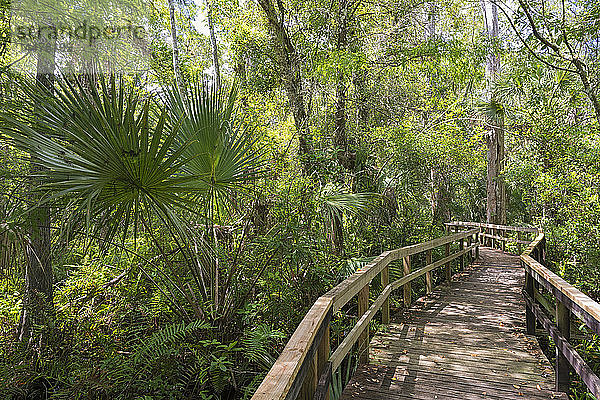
(431, 20)
(496, 194)
(440, 196)
(496, 200)
(361, 93)
(340, 136)
(213, 45)
(336, 234)
(176, 66)
(289, 65)
(38, 304)
(362, 106)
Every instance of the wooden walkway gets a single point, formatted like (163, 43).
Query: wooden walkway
(464, 342)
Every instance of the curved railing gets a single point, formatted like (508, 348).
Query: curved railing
(305, 366)
(566, 301)
(551, 301)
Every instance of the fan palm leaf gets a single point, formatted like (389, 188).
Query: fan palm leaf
(221, 151)
(102, 151)
(334, 202)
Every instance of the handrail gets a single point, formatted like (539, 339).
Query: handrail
(304, 366)
(491, 233)
(494, 226)
(568, 301)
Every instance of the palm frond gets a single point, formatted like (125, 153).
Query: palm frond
(101, 150)
(492, 110)
(221, 150)
(335, 202)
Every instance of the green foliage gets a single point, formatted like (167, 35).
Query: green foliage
(220, 225)
(158, 345)
(220, 150)
(102, 153)
(259, 345)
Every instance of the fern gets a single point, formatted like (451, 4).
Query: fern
(250, 388)
(160, 342)
(190, 375)
(259, 345)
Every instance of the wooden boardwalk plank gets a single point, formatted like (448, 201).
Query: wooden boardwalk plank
(466, 341)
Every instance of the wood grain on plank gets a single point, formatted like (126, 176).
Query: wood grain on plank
(467, 341)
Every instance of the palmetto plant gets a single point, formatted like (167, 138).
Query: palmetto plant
(119, 164)
(334, 203)
(103, 153)
(222, 158)
(219, 147)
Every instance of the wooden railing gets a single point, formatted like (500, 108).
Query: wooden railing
(548, 297)
(568, 301)
(304, 368)
(497, 236)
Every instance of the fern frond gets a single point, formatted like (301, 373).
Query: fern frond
(160, 342)
(259, 345)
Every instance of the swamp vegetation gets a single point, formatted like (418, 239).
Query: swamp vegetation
(164, 229)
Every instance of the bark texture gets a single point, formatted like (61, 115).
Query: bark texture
(289, 68)
(38, 306)
(495, 188)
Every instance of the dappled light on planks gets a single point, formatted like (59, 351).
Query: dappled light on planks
(464, 342)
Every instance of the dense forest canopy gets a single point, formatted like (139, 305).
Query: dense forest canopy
(181, 180)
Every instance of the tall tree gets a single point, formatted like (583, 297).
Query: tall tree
(213, 45)
(495, 188)
(340, 136)
(38, 306)
(175, 43)
(288, 61)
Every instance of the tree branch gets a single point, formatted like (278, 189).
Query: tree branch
(531, 51)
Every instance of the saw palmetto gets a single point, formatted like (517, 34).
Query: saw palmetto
(102, 151)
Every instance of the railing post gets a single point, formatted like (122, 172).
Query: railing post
(428, 282)
(407, 286)
(482, 238)
(310, 381)
(363, 340)
(563, 320)
(504, 236)
(385, 308)
(529, 316)
(322, 357)
(493, 239)
(470, 252)
(448, 267)
(519, 245)
(478, 238)
(543, 251)
(462, 257)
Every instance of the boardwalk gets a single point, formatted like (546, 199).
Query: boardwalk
(467, 342)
